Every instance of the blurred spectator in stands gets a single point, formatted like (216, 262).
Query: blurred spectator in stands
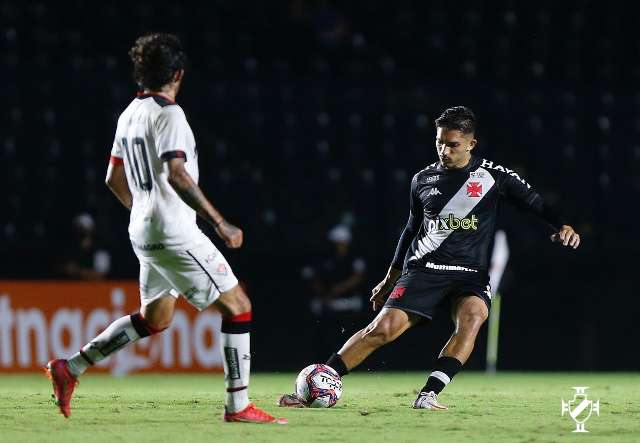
(330, 25)
(337, 287)
(83, 260)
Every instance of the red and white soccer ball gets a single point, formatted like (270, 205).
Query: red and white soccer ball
(318, 386)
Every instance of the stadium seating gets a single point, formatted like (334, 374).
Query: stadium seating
(296, 128)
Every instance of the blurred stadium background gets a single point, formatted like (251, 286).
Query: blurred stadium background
(313, 114)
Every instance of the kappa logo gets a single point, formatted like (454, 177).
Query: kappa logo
(397, 292)
(474, 189)
(434, 191)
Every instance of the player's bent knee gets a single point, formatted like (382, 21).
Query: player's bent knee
(234, 302)
(158, 315)
(481, 314)
(471, 322)
(244, 302)
(378, 334)
(146, 327)
(156, 328)
(474, 311)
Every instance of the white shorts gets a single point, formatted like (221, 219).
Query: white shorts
(199, 274)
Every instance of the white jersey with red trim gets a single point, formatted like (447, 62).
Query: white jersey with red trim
(152, 130)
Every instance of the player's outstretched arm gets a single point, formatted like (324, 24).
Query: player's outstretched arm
(117, 181)
(191, 194)
(521, 194)
(567, 236)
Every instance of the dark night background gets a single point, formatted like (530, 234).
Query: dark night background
(308, 112)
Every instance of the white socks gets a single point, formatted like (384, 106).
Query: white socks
(120, 333)
(236, 356)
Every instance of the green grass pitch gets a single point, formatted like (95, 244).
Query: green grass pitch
(508, 407)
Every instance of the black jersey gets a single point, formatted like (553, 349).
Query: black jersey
(453, 215)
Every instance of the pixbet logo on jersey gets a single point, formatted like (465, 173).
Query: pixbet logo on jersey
(452, 223)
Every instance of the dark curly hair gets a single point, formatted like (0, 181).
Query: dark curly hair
(156, 58)
(458, 118)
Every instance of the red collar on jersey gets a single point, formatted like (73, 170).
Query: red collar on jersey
(142, 94)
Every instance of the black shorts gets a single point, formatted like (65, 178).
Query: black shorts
(425, 293)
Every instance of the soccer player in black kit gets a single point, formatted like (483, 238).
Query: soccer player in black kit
(441, 260)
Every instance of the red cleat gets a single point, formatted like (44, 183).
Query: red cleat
(63, 384)
(251, 414)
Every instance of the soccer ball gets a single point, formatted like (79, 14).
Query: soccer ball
(318, 386)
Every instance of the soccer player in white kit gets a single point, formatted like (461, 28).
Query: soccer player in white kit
(153, 171)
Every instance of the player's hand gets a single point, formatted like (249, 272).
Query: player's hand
(380, 293)
(232, 235)
(567, 236)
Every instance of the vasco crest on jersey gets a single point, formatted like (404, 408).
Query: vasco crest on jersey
(474, 189)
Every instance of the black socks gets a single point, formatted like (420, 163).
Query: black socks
(336, 362)
(443, 371)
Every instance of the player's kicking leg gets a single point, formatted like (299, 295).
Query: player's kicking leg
(152, 318)
(235, 307)
(388, 325)
(469, 313)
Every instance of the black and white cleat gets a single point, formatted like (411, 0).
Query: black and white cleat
(429, 400)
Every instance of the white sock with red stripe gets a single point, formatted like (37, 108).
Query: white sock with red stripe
(236, 356)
